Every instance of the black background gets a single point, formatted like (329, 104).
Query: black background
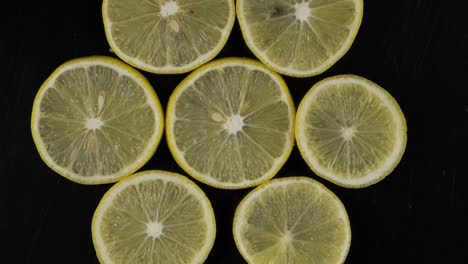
(416, 49)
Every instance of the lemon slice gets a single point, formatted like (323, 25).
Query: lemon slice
(154, 217)
(299, 38)
(167, 36)
(292, 220)
(350, 131)
(230, 123)
(96, 120)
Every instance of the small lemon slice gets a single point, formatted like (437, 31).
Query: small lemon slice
(350, 131)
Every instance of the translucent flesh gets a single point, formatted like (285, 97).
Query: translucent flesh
(299, 44)
(139, 30)
(95, 92)
(294, 223)
(350, 106)
(124, 224)
(208, 147)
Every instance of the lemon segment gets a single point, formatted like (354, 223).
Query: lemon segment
(350, 131)
(96, 120)
(154, 217)
(292, 220)
(230, 123)
(167, 37)
(299, 38)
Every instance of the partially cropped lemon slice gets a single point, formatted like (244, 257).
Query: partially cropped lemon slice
(230, 123)
(96, 120)
(154, 217)
(299, 38)
(350, 131)
(292, 220)
(167, 36)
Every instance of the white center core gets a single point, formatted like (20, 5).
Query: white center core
(169, 9)
(302, 11)
(286, 239)
(348, 133)
(94, 123)
(234, 124)
(154, 229)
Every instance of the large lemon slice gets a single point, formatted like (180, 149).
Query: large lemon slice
(167, 36)
(230, 123)
(299, 38)
(96, 120)
(154, 217)
(292, 220)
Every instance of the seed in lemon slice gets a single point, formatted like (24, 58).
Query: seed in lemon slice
(350, 131)
(154, 217)
(230, 123)
(96, 120)
(170, 36)
(299, 38)
(292, 220)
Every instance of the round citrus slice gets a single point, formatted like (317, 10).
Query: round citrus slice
(154, 217)
(350, 131)
(292, 220)
(299, 38)
(167, 36)
(96, 120)
(230, 123)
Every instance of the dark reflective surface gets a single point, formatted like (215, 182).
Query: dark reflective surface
(415, 49)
